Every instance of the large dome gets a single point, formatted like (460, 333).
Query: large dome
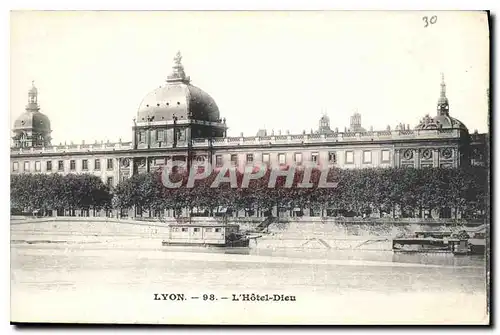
(178, 98)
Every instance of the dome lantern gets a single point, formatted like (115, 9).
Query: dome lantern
(178, 74)
(443, 107)
(355, 122)
(33, 97)
(324, 124)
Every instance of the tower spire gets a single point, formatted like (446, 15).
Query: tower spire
(443, 105)
(443, 86)
(178, 74)
(33, 97)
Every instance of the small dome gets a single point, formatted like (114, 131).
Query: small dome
(35, 121)
(32, 119)
(449, 122)
(441, 122)
(324, 118)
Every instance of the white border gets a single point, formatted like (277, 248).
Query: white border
(8, 5)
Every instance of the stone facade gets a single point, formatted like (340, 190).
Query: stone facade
(192, 130)
(413, 148)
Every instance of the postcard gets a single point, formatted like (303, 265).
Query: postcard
(250, 167)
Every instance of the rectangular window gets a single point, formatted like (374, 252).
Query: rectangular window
(367, 156)
(109, 181)
(234, 159)
(332, 157)
(38, 166)
(60, 165)
(26, 166)
(49, 166)
(281, 159)
(85, 164)
(218, 160)
(298, 158)
(265, 158)
(386, 155)
(196, 230)
(15, 166)
(249, 158)
(349, 157)
(217, 230)
(97, 164)
(142, 137)
(208, 230)
(110, 164)
(160, 135)
(72, 165)
(314, 157)
(184, 230)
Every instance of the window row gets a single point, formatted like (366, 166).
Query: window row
(196, 230)
(297, 158)
(60, 166)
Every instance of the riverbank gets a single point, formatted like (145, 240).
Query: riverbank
(299, 234)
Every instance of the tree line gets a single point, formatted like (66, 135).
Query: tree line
(360, 191)
(43, 192)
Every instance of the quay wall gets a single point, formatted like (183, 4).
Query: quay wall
(306, 234)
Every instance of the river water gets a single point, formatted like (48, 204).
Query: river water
(95, 283)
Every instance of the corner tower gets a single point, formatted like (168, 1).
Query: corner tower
(442, 120)
(32, 128)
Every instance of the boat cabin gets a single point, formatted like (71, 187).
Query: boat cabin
(200, 234)
(433, 234)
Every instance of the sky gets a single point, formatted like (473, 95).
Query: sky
(265, 70)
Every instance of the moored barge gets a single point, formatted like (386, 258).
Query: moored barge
(205, 235)
(457, 243)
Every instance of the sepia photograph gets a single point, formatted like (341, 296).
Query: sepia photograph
(250, 167)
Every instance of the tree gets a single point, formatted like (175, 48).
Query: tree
(45, 192)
